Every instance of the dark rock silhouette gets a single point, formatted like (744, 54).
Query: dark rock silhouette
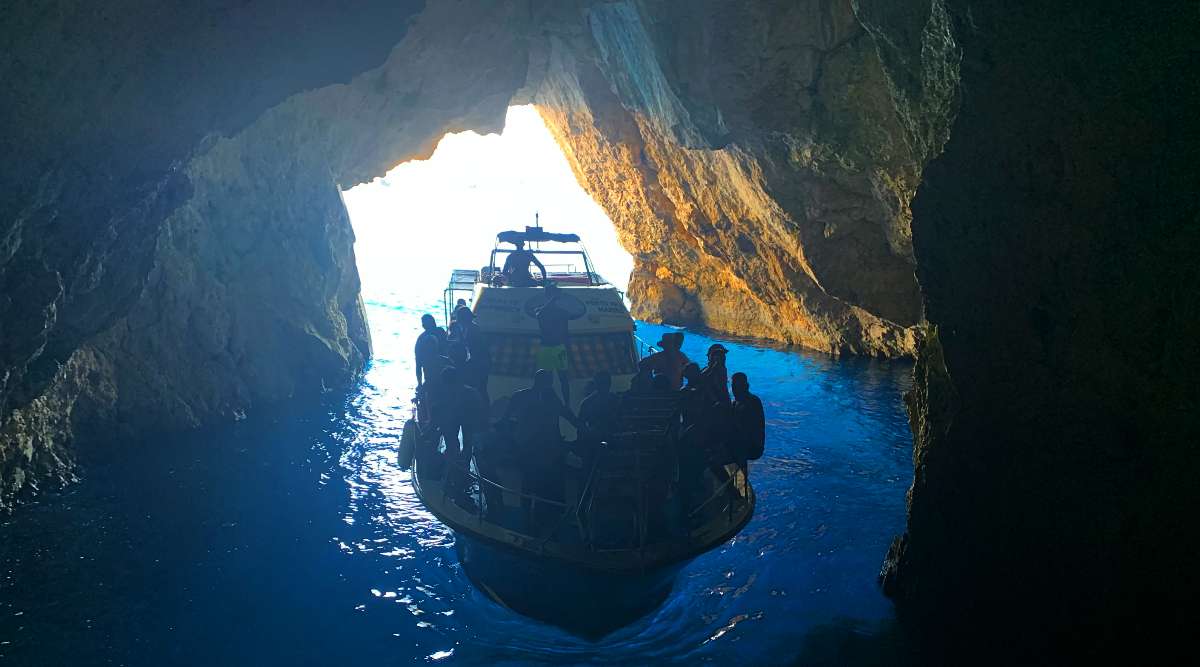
(173, 249)
(1056, 245)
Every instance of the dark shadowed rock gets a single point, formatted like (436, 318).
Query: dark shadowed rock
(1054, 414)
(174, 250)
(105, 105)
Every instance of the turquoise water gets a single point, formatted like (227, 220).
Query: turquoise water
(292, 538)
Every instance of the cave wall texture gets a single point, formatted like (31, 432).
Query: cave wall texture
(107, 108)
(1057, 242)
(758, 159)
(174, 251)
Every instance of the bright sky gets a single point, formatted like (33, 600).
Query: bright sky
(425, 218)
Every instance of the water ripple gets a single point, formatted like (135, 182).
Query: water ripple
(291, 538)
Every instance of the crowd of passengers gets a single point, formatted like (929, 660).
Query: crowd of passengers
(713, 427)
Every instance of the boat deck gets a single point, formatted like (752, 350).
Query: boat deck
(619, 512)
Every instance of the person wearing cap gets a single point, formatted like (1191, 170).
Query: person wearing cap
(715, 376)
(669, 360)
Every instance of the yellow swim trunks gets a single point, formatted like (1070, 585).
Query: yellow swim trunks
(552, 357)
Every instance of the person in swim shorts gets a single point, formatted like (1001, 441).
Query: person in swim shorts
(552, 353)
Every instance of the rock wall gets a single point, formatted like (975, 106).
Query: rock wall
(254, 294)
(174, 249)
(106, 103)
(1054, 411)
(758, 160)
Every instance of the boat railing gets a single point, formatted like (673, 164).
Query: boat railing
(462, 281)
(644, 349)
(478, 478)
(582, 507)
(535, 501)
(726, 487)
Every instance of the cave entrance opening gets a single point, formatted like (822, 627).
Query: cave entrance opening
(424, 218)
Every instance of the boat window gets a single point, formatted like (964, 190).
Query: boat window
(563, 266)
(612, 352)
(514, 354)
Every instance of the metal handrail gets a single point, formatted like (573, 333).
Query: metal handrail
(584, 493)
(505, 489)
(522, 534)
(645, 349)
(587, 487)
(720, 490)
(587, 492)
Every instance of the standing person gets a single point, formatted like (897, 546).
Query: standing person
(535, 412)
(696, 413)
(696, 408)
(715, 376)
(430, 350)
(639, 384)
(598, 411)
(552, 353)
(452, 330)
(476, 342)
(669, 360)
(695, 404)
(458, 357)
(598, 420)
(749, 423)
(516, 266)
(457, 407)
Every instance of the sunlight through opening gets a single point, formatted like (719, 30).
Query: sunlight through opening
(425, 218)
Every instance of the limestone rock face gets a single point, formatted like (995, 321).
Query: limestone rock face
(253, 295)
(105, 104)
(1055, 410)
(171, 220)
(758, 160)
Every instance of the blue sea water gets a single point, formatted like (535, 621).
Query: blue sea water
(292, 538)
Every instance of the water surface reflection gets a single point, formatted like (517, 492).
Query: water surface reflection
(294, 539)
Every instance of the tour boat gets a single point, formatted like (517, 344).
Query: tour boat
(606, 550)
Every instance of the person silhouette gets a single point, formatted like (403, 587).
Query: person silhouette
(516, 266)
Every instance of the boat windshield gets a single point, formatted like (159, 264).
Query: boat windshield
(563, 255)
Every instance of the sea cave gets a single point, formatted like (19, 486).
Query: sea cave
(962, 232)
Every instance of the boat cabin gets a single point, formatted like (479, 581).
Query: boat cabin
(600, 330)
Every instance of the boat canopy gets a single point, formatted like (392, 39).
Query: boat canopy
(535, 235)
